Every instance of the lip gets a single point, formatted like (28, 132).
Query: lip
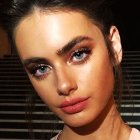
(74, 105)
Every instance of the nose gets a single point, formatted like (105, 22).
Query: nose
(66, 83)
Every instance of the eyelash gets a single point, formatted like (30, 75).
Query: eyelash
(84, 51)
(35, 71)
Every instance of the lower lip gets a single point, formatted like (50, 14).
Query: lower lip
(78, 107)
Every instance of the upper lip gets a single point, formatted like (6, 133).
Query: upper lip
(72, 102)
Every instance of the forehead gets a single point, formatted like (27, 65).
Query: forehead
(51, 30)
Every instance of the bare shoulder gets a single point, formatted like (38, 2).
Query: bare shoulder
(135, 134)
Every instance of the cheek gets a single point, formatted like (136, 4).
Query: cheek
(45, 90)
(104, 80)
(97, 77)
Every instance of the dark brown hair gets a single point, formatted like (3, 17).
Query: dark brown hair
(99, 11)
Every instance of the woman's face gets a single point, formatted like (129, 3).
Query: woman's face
(67, 61)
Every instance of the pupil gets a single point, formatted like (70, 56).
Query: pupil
(79, 55)
(42, 69)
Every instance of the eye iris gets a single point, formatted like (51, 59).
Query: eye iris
(79, 55)
(42, 69)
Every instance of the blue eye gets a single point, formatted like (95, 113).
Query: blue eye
(41, 70)
(80, 54)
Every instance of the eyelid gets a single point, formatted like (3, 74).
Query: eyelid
(38, 73)
(80, 49)
(74, 42)
(34, 71)
(85, 44)
(33, 67)
(29, 62)
(86, 49)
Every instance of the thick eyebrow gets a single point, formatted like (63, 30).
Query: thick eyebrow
(72, 43)
(65, 49)
(35, 60)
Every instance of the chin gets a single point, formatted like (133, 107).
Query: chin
(76, 124)
(79, 120)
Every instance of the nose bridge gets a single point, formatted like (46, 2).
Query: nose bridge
(65, 80)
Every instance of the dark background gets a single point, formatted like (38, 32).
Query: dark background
(127, 19)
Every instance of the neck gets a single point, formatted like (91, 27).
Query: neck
(109, 125)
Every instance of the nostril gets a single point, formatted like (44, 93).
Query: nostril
(66, 93)
(60, 93)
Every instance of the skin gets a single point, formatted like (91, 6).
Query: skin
(42, 35)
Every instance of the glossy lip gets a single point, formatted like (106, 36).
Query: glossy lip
(74, 105)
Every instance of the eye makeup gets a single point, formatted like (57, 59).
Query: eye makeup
(72, 43)
(40, 67)
(39, 71)
(37, 67)
(80, 55)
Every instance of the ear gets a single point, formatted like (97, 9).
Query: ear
(116, 43)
